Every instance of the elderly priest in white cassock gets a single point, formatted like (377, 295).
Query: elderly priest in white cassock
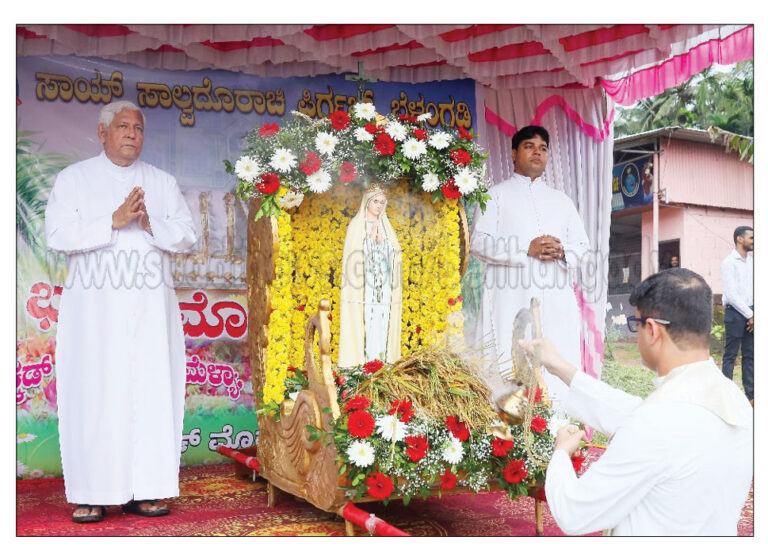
(120, 354)
(529, 238)
(680, 461)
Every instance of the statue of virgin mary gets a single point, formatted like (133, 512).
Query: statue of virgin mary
(371, 286)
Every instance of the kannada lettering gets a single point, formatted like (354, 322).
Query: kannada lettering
(97, 90)
(214, 375)
(40, 304)
(30, 376)
(207, 98)
(195, 318)
(243, 438)
(192, 438)
(322, 105)
(449, 115)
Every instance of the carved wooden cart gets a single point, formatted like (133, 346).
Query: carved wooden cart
(288, 459)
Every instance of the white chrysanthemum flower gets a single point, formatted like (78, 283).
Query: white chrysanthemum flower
(25, 437)
(325, 143)
(466, 181)
(430, 183)
(247, 169)
(290, 200)
(390, 428)
(282, 160)
(424, 116)
(413, 148)
(397, 131)
(361, 454)
(364, 110)
(37, 473)
(453, 452)
(556, 422)
(21, 469)
(362, 135)
(319, 182)
(440, 140)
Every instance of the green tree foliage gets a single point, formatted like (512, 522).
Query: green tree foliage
(718, 99)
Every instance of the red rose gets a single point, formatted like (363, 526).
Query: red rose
(341, 380)
(447, 480)
(515, 471)
(268, 130)
(372, 367)
(358, 402)
(403, 409)
(340, 119)
(292, 369)
(538, 396)
(538, 424)
(384, 144)
(501, 447)
(578, 461)
(464, 134)
(420, 134)
(301, 307)
(371, 128)
(409, 118)
(268, 184)
(417, 447)
(461, 157)
(360, 424)
(451, 301)
(450, 189)
(347, 172)
(379, 486)
(457, 428)
(311, 164)
(418, 329)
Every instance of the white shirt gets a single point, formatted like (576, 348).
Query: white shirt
(672, 467)
(737, 274)
(120, 354)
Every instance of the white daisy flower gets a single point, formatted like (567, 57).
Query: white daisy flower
(21, 469)
(37, 473)
(25, 437)
(247, 169)
(430, 183)
(319, 182)
(556, 422)
(290, 199)
(361, 454)
(413, 148)
(424, 116)
(364, 110)
(440, 140)
(282, 160)
(466, 181)
(397, 131)
(390, 428)
(325, 143)
(453, 452)
(362, 135)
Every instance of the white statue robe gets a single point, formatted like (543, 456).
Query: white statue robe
(518, 211)
(120, 353)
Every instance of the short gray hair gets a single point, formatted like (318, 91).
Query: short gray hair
(109, 111)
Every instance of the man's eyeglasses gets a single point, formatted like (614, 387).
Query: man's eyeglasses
(633, 321)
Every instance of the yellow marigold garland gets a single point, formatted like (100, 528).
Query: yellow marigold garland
(308, 269)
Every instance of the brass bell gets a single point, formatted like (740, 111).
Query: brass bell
(511, 406)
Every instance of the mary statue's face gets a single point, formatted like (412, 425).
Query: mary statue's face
(376, 205)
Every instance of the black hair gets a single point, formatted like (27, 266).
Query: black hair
(680, 296)
(740, 231)
(526, 133)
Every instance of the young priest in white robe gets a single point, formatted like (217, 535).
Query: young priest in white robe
(120, 354)
(680, 461)
(529, 238)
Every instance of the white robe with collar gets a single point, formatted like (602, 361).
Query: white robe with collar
(120, 353)
(518, 211)
(674, 466)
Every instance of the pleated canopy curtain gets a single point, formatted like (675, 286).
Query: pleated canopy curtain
(567, 78)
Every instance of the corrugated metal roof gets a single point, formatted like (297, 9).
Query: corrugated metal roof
(688, 134)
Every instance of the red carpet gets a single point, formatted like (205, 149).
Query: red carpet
(214, 501)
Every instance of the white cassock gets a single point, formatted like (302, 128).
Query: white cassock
(679, 463)
(120, 353)
(518, 211)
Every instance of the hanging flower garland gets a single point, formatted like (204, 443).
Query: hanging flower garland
(306, 157)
